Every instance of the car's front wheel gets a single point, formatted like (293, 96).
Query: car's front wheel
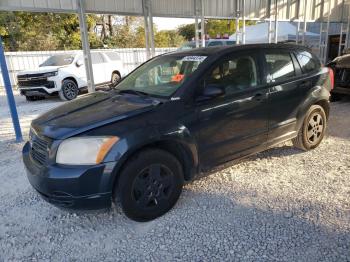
(149, 184)
(69, 90)
(313, 129)
(115, 79)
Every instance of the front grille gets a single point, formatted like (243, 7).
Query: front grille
(26, 76)
(36, 83)
(39, 149)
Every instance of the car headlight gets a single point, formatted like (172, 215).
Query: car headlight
(54, 73)
(84, 150)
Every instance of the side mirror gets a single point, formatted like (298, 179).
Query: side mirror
(211, 91)
(79, 63)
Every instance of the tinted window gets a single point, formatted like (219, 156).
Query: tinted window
(59, 60)
(96, 58)
(113, 56)
(230, 42)
(307, 63)
(215, 43)
(279, 66)
(235, 74)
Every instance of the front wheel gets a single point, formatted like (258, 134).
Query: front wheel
(313, 129)
(150, 184)
(115, 79)
(69, 90)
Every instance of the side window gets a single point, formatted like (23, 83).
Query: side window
(215, 43)
(230, 42)
(307, 62)
(113, 56)
(235, 74)
(96, 58)
(279, 66)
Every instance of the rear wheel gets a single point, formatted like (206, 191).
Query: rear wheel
(150, 184)
(69, 90)
(313, 129)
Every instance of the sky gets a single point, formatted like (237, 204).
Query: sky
(170, 23)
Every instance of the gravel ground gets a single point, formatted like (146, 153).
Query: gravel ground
(280, 205)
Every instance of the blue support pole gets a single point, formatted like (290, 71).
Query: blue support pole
(10, 99)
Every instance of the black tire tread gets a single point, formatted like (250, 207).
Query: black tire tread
(144, 156)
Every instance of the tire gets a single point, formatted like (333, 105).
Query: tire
(115, 79)
(313, 129)
(149, 185)
(69, 90)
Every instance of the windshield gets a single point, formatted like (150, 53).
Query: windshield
(58, 60)
(161, 76)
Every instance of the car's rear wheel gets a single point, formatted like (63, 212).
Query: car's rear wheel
(149, 184)
(69, 90)
(115, 79)
(313, 129)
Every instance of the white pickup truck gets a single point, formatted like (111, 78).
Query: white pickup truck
(65, 75)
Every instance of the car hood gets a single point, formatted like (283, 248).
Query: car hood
(90, 111)
(41, 69)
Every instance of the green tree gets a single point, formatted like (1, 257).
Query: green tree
(168, 38)
(212, 28)
(24, 31)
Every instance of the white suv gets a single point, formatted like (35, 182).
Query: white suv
(65, 75)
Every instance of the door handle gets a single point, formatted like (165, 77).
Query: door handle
(305, 84)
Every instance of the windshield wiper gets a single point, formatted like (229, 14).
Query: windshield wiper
(134, 92)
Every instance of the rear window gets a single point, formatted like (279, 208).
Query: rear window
(279, 66)
(307, 62)
(113, 56)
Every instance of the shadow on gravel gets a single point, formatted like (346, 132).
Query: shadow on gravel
(203, 227)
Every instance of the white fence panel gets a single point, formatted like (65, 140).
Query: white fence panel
(19, 61)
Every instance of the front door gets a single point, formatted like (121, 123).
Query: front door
(236, 123)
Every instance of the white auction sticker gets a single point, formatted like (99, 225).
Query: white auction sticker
(194, 58)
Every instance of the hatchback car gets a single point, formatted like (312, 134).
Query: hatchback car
(175, 117)
(65, 75)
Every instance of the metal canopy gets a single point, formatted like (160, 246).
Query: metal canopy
(254, 9)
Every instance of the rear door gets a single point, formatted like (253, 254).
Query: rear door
(282, 75)
(98, 67)
(235, 124)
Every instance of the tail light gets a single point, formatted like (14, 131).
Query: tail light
(331, 77)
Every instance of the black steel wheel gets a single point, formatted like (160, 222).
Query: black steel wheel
(150, 184)
(313, 129)
(69, 90)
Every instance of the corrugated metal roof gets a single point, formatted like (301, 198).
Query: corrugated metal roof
(255, 9)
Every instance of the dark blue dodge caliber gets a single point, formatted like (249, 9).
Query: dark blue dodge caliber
(174, 117)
